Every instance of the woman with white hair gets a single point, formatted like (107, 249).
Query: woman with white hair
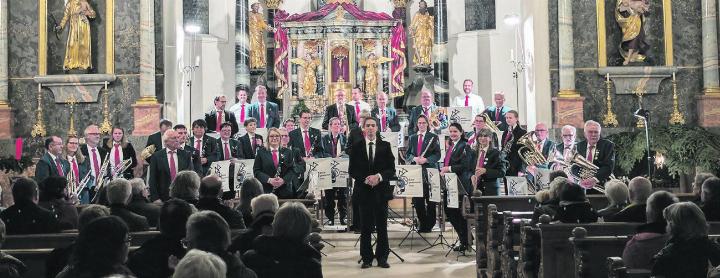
(651, 236)
(618, 196)
(263, 215)
(197, 263)
(687, 252)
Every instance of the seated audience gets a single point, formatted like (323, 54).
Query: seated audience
(118, 195)
(198, 263)
(617, 194)
(286, 253)
(58, 258)
(574, 206)
(551, 206)
(186, 186)
(556, 174)
(140, 204)
(10, 266)
(651, 236)
(640, 189)
(250, 189)
(151, 259)
(208, 231)
(542, 196)
(263, 213)
(101, 250)
(211, 199)
(54, 197)
(25, 216)
(711, 199)
(687, 252)
(697, 185)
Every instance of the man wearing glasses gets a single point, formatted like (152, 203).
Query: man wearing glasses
(565, 149)
(544, 146)
(219, 115)
(306, 139)
(93, 152)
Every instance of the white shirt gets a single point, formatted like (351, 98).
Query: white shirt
(474, 100)
(363, 105)
(175, 159)
(367, 149)
(237, 108)
(112, 154)
(93, 158)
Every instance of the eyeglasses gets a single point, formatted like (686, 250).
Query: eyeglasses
(567, 135)
(285, 136)
(538, 130)
(274, 136)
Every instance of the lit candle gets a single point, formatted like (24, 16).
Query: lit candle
(673, 76)
(607, 77)
(39, 87)
(197, 61)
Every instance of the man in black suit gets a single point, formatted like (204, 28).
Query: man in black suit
(424, 149)
(96, 156)
(333, 145)
(386, 116)
(599, 151)
(205, 144)
(426, 108)
(183, 141)
(265, 112)
(251, 141)
(510, 144)
(498, 111)
(543, 145)
(346, 115)
(155, 139)
(489, 167)
(305, 138)
(216, 117)
(165, 164)
(52, 163)
(25, 216)
(566, 148)
(372, 165)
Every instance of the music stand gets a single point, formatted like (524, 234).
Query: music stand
(440, 240)
(373, 245)
(413, 228)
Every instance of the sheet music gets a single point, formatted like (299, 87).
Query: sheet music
(222, 170)
(339, 172)
(410, 183)
(319, 171)
(462, 115)
(434, 179)
(243, 171)
(517, 186)
(453, 198)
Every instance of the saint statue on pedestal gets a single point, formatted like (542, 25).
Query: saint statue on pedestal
(310, 64)
(78, 46)
(258, 27)
(630, 15)
(422, 28)
(371, 65)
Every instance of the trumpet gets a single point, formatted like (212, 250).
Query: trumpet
(100, 179)
(121, 168)
(82, 185)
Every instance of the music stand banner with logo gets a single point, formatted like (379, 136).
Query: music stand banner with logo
(462, 115)
(319, 169)
(453, 193)
(222, 170)
(517, 186)
(434, 179)
(410, 183)
(339, 172)
(542, 178)
(243, 170)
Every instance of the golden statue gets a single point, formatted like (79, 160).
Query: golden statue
(310, 64)
(77, 49)
(258, 27)
(422, 29)
(371, 72)
(630, 15)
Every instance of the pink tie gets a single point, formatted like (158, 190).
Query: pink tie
(227, 151)
(262, 115)
(242, 113)
(418, 152)
(219, 121)
(497, 113)
(173, 170)
(467, 100)
(507, 137)
(117, 154)
(481, 160)
(75, 170)
(448, 154)
(58, 167)
(425, 111)
(307, 143)
(384, 120)
(96, 163)
(357, 110)
(275, 158)
(590, 153)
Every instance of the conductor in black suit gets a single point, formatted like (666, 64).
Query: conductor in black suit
(274, 167)
(599, 151)
(489, 167)
(424, 149)
(372, 165)
(510, 144)
(216, 117)
(346, 114)
(155, 139)
(165, 164)
(306, 139)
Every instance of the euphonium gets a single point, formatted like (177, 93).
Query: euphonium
(490, 124)
(435, 120)
(147, 152)
(528, 153)
(586, 170)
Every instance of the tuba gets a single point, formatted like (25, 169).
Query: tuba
(528, 153)
(490, 124)
(586, 170)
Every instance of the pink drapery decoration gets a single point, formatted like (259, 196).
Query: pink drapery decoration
(18, 148)
(281, 57)
(397, 43)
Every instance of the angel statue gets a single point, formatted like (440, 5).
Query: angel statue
(258, 27)
(422, 29)
(78, 46)
(310, 64)
(371, 72)
(630, 15)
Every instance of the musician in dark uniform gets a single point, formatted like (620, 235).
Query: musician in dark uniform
(155, 139)
(228, 149)
(203, 143)
(424, 149)
(96, 155)
(195, 154)
(386, 116)
(599, 151)
(498, 111)
(216, 117)
(544, 146)
(333, 145)
(250, 141)
(478, 124)
(52, 163)
(298, 165)
(510, 144)
(305, 138)
(120, 150)
(346, 113)
(489, 167)
(165, 164)
(426, 107)
(274, 167)
(458, 159)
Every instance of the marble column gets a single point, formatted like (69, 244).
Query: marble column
(242, 43)
(146, 111)
(440, 57)
(6, 119)
(709, 101)
(568, 106)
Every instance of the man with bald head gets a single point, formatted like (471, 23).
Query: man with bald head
(341, 110)
(426, 108)
(165, 164)
(386, 116)
(599, 151)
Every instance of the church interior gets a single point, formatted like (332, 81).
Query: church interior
(550, 138)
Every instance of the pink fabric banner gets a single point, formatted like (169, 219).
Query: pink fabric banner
(281, 57)
(397, 43)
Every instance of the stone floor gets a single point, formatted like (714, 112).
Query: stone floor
(341, 261)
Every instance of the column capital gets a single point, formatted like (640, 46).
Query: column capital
(273, 4)
(711, 91)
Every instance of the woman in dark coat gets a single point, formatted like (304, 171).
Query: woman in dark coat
(119, 143)
(574, 206)
(54, 197)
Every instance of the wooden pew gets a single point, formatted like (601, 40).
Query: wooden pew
(495, 237)
(509, 249)
(34, 259)
(616, 269)
(529, 253)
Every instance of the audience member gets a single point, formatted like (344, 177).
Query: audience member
(640, 189)
(710, 197)
(697, 185)
(186, 186)
(118, 195)
(140, 203)
(10, 266)
(651, 236)
(618, 196)
(197, 263)
(210, 199)
(556, 174)
(208, 231)
(550, 207)
(287, 252)
(152, 258)
(54, 197)
(574, 206)
(687, 252)
(250, 189)
(542, 196)
(58, 258)
(25, 216)
(263, 213)
(101, 250)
